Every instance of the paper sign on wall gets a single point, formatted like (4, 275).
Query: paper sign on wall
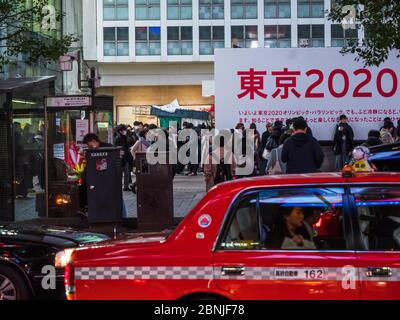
(59, 151)
(82, 129)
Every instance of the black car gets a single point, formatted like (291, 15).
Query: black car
(27, 258)
(386, 157)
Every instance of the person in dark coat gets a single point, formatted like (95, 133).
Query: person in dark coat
(265, 136)
(343, 142)
(277, 131)
(374, 139)
(20, 162)
(127, 159)
(302, 152)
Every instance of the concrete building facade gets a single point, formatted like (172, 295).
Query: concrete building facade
(169, 43)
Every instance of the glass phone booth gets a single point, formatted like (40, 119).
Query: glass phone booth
(67, 126)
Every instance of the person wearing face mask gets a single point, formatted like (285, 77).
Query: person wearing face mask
(121, 140)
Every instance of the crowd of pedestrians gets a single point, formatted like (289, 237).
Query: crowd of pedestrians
(283, 148)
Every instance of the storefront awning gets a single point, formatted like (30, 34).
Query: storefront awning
(13, 84)
(180, 113)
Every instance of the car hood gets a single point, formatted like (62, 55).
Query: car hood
(50, 235)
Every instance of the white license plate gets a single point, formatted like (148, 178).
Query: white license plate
(299, 274)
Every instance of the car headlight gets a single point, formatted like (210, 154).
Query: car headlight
(62, 258)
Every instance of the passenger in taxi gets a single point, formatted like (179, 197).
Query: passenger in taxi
(290, 229)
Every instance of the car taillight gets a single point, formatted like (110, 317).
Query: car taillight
(63, 258)
(69, 281)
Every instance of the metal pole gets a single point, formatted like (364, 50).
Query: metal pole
(9, 118)
(46, 158)
(92, 115)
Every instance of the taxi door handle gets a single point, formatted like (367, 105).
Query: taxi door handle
(233, 271)
(379, 272)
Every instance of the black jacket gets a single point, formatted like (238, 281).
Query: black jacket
(338, 139)
(264, 139)
(302, 154)
(122, 141)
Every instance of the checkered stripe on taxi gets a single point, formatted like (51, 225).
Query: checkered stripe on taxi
(161, 273)
(208, 273)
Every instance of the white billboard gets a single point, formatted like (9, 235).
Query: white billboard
(320, 84)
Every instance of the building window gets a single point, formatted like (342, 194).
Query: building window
(211, 38)
(342, 37)
(310, 8)
(116, 41)
(147, 10)
(311, 35)
(148, 41)
(179, 9)
(277, 8)
(211, 9)
(115, 10)
(277, 36)
(244, 37)
(244, 9)
(180, 41)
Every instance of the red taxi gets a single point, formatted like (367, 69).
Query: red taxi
(309, 236)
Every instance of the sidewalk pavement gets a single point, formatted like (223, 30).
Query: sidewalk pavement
(188, 191)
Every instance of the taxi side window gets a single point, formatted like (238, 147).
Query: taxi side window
(244, 227)
(288, 219)
(303, 218)
(378, 211)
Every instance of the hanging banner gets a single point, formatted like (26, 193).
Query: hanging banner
(265, 85)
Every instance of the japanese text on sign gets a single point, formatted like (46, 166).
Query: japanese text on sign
(320, 84)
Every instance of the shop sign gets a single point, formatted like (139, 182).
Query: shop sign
(68, 101)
